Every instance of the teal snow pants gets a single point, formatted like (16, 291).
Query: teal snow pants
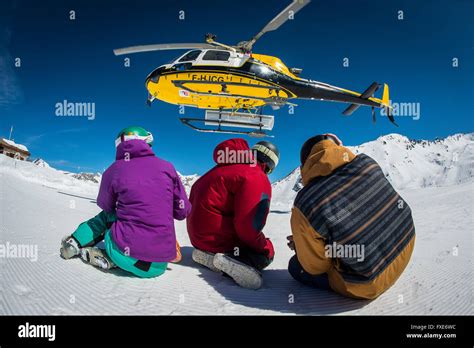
(93, 231)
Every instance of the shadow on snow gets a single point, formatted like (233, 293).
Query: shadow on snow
(280, 292)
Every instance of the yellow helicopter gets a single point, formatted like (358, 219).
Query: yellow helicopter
(233, 84)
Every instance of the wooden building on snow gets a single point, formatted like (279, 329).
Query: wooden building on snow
(14, 150)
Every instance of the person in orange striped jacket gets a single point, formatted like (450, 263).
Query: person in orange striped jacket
(351, 231)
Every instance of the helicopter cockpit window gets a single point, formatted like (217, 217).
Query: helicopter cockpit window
(182, 66)
(190, 56)
(216, 55)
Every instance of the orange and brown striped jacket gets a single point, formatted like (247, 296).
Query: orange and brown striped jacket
(350, 223)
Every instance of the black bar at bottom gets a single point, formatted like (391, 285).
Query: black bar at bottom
(220, 330)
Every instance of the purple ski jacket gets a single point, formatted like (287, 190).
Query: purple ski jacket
(146, 194)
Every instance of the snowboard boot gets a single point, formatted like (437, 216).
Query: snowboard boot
(178, 254)
(69, 248)
(204, 258)
(244, 275)
(97, 257)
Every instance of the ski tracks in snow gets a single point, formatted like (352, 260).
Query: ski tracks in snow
(438, 279)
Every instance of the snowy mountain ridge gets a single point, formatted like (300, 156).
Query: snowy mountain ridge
(188, 181)
(407, 163)
(47, 176)
(40, 172)
(41, 163)
(92, 177)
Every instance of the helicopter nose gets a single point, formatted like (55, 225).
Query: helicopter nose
(152, 84)
(154, 76)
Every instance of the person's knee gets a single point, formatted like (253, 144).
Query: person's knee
(266, 262)
(294, 268)
(250, 258)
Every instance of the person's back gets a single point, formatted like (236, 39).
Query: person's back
(230, 207)
(362, 230)
(140, 195)
(223, 201)
(144, 190)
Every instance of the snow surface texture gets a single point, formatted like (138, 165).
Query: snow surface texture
(39, 206)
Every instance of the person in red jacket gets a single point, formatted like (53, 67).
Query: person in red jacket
(230, 204)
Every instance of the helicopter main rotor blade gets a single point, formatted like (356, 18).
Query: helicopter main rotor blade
(276, 22)
(160, 47)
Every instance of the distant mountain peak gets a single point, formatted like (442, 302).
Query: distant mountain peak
(92, 177)
(41, 163)
(407, 163)
(188, 181)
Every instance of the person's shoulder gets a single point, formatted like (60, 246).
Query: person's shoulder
(162, 162)
(362, 160)
(165, 166)
(110, 174)
(254, 174)
(301, 195)
(111, 169)
(362, 157)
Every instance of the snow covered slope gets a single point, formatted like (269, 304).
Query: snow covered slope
(40, 172)
(284, 191)
(46, 176)
(406, 163)
(51, 203)
(438, 279)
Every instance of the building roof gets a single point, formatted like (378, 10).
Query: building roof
(15, 145)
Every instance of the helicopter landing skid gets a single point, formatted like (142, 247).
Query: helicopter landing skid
(190, 122)
(223, 119)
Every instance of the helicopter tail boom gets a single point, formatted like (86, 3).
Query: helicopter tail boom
(367, 94)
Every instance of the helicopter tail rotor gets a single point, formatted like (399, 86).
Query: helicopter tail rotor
(383, 103)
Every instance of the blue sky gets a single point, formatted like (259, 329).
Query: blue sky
(73, 60)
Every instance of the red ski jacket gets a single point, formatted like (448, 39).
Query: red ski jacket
(230, 203)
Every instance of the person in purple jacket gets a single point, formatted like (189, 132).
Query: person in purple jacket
(140, 196)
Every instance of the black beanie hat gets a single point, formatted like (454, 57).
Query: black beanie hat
(308, 145)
